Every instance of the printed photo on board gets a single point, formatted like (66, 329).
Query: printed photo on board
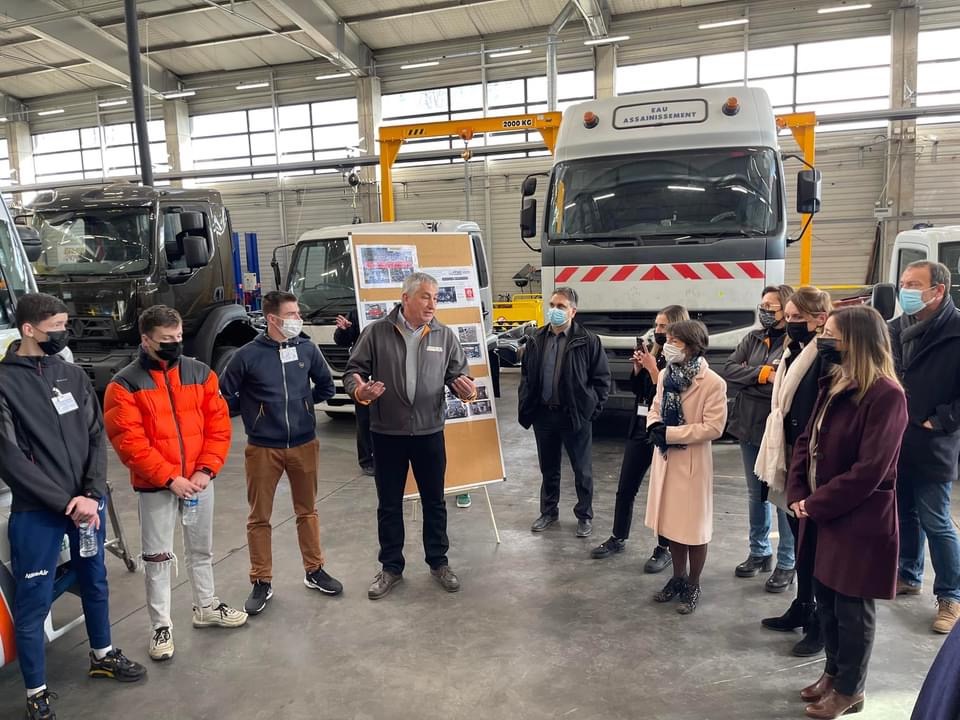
(386, 265)
(472, 351)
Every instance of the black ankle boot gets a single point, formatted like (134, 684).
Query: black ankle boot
(812, 642)
(793, 618)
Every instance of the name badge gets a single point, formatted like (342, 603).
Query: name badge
(642, 410)
(434, 348)
(288, 354)
(64, 403)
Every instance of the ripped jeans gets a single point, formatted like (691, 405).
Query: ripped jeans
(159, 517)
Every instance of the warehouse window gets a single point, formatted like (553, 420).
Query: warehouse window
(938, 71)
(120, 154)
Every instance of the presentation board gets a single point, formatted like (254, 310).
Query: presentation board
(380, 263)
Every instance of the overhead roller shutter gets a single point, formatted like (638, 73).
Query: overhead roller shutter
(254, 208)
(937, 197)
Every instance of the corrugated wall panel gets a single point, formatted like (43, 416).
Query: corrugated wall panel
(937, 198)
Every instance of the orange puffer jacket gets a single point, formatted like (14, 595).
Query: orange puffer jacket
(167, 423)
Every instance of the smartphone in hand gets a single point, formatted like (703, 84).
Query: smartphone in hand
(641, 344)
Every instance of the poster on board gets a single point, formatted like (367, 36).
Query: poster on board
(381, 262)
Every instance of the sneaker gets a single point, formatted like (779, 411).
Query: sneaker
(947, 613)
(382, 584)
(221, 615)
(161, 646)
(905, 588)
(262, 592)
(464, 501)
(658, 561)
(610, 546)
(320, 580)
(446, 577)
(689, 599)
(38, 706)
(116, 666)
(675, 586)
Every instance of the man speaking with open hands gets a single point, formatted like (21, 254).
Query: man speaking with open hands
(400, 367)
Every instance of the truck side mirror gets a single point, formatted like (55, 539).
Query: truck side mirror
(192, 223)
(808, 191)
(528, 217)
(883, 299)
(529, 186)
(276, 272)
(30, 239)
(195, 251)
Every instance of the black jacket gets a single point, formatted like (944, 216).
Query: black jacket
(46, 458)
(274, 397)
(804, 400)
(748, 386)
(644, 391)
(584, 378)
(931, 380)
(348, 338)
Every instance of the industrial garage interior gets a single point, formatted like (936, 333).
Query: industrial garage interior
(278, 105)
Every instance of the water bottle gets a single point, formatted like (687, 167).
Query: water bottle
(88, 540)
(191, 506)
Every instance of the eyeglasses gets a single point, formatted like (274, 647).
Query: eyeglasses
(769, 308)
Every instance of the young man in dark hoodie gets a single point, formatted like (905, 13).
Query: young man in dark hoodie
(268, 382)
(53, 457)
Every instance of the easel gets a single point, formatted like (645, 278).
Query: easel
(415, 499)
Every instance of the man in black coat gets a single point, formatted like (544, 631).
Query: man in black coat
(564, 382)
(346, 334)
(926, 348)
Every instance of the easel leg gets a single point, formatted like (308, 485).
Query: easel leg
(493, 519)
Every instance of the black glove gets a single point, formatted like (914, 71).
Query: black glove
(657, 435)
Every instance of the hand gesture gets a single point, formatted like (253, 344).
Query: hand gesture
(200, 479)
(343, 323)
(368, 391)
(637, 361)
(799, 509)
(84, 510)
(649, 363)
(184, 488)
(464, 388)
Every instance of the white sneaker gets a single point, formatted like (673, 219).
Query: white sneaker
(221, 615)
(161, 646)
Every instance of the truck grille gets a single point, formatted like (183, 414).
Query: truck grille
(632, 324)
(92, 328)
(336, 356)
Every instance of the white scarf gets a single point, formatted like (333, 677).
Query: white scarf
(771, 464)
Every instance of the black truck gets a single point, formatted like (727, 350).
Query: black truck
(111, 251)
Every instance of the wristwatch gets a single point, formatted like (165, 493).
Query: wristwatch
(207, 471)
(93, 495)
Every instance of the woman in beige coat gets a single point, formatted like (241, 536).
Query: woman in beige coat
(687, 414)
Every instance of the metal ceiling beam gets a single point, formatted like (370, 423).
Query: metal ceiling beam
(428, 9)
(324, 27)
(51, 67)
(87, 41)
(596, 16)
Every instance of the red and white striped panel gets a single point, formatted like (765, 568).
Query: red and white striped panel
(745, 270)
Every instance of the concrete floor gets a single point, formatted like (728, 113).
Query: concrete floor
(539, 630)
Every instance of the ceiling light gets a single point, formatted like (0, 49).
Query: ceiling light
(331, 77)
(3, 119)
(723, 23)
(112, 103)
(607, 40)
(179, 94)
(253, 85)
(508, 53)
(414, 66)
(844, 8)
(44, 113)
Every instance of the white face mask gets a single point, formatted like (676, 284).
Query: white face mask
(291, 327)
(673, 354)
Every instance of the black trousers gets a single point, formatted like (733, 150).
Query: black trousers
(554, 433)
(364, 441)
(848, 626)
(428, 456)
(805, 556)
(637, 457)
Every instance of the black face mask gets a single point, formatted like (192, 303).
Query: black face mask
(798, 332)
(55, 342)
(169, 351)
(768, 319)
(827, 348)
(660, 339)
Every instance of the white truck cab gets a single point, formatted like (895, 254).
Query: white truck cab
(936, 244)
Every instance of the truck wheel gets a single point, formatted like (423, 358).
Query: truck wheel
(221, 358)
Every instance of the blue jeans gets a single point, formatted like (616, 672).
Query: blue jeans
(925, 513)
(761, 517)
(35, 538)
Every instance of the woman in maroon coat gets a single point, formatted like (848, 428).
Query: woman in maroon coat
(842, 478)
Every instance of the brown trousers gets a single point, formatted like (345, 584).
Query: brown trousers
(264, 468)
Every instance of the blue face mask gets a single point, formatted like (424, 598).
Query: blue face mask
(911, 301)
(556, 316)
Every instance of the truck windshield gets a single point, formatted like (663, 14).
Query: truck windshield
(694, 193)
(95, 241)
(321, 277)
(14, 270)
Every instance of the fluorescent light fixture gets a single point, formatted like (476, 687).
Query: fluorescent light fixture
(179, 94)
(509, 53)
(723, 23)
(3, 119)
(607, 40)
(414, 66)
(253, 85)
(844, 8)
(604, 197)
(113, 103)
(688, 188)
(44, 113)
(332, 76)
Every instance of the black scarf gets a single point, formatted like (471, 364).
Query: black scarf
(914, 331)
